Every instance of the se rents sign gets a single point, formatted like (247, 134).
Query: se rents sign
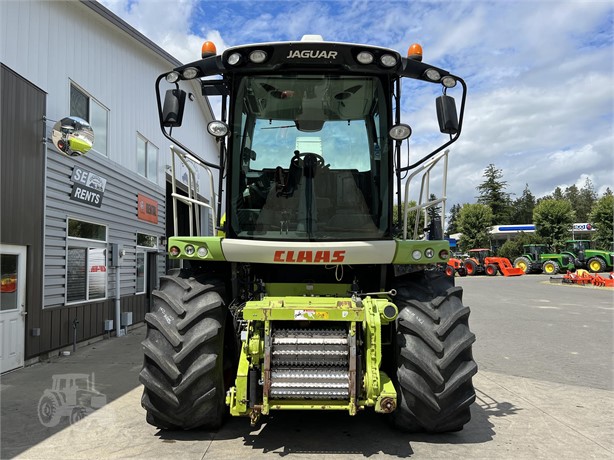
(88, 187)
(147, 209)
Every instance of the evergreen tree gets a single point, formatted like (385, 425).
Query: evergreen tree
(572, 194)
(558, 194)
(586, 200)
(492, 193)
(522, 208)
(453, 219)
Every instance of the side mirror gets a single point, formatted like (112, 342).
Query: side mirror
(172, 111)
(446, 114)
(72, 136)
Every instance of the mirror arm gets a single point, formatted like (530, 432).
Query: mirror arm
(452, 139)
(169, 136)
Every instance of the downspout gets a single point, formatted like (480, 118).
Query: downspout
(117, 302)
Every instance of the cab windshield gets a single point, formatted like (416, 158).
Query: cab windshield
(309, 158)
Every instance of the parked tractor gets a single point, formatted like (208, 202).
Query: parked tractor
(593, 260)
(71, 395)
(305, 299)
(455, 266)
(480, 262)
(539, 258)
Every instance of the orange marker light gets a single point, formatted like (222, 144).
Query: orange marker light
(415, 52)
(208, 49)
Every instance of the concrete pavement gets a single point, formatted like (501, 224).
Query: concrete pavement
(514, 417)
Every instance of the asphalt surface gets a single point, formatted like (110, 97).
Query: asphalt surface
(544, 390)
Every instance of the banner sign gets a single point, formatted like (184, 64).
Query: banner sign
(582, 227)
(88, 187)
(147, 209)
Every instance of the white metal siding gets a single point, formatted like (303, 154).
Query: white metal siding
(53, 43)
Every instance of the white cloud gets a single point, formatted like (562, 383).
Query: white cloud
(541, 100)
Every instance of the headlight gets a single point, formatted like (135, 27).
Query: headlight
(257, 56)
(432, 74)
(217, 128)
(429, 253)
(388, 60)
(172, 77)
(234, 59)
(400, 132)
(202, 251)
(189, 73)
(416, 255)
(174, 251)
(448, 81)
(364, 57)
(189, 249)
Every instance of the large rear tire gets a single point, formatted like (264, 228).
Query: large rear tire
(471, 267)
(596, 265)
(434, 361)
(183, 368)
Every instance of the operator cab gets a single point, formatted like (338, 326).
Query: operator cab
(310, 158)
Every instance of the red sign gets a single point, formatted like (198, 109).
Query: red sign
(147, 209)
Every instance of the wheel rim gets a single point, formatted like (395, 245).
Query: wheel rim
(548, 268)
(595, 266)
(47, 411)
(522, 266)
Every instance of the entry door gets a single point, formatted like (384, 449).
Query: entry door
(12, 306)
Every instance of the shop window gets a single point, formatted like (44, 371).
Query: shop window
(86, 262)
(86, 107)
(146, 158)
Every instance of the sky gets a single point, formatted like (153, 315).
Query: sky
(540, 105)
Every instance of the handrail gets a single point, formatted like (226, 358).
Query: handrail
(191, 200)
(425, 169)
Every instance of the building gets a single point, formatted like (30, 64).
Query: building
(499, 234)
(81, 237)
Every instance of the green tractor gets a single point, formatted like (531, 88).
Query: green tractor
(593, 260)
(305, 299)
(538, 258)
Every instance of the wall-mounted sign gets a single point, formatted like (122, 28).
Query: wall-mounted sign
(88, 187)
(147, 209)
(582, 227)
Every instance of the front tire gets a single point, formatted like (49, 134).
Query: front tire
(550, 267)
(435, 364)
(183, 367)
(523, 263)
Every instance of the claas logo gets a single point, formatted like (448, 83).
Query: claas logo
(309, 256)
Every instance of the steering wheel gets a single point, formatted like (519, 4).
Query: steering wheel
(319, 158)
